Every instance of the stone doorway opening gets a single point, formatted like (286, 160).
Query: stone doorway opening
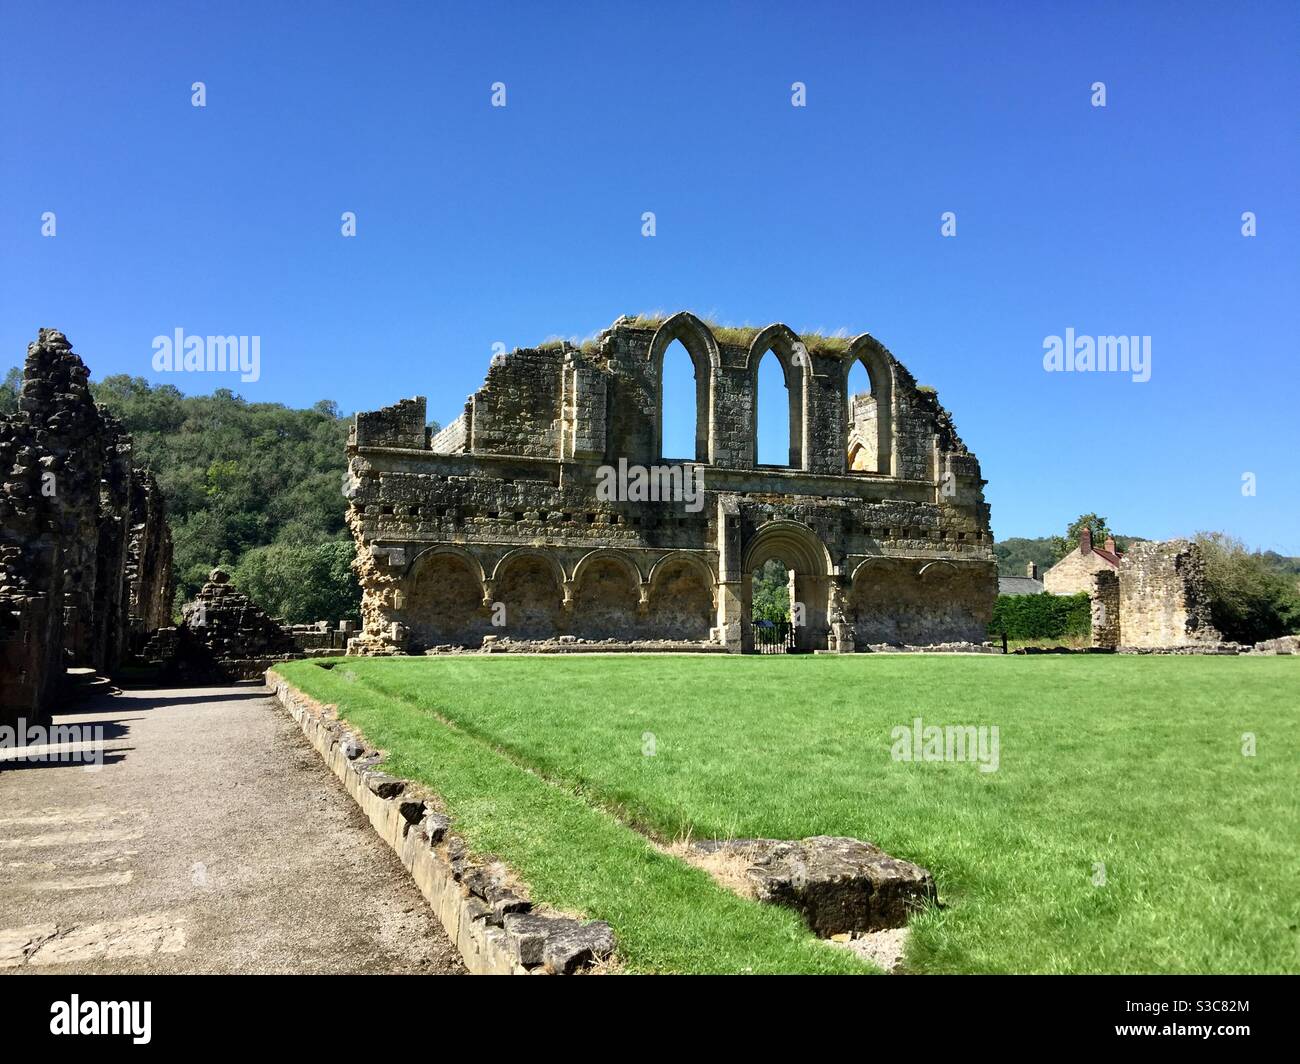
(785, 565)
(774, 610)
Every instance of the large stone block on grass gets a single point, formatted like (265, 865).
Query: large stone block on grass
(839, 885)
(560, 944)
(573, 946)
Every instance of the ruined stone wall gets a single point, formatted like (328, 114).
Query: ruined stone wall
(445, 602)
(65, 513)
(149, 580)
(110, 623)
(52, 456)
(862, 435)
(1162, 596)
(1105, 609)
(401, 425)
(497, 526)
(321, 635)
(453, 438)
(517, 411)
(888, 602)
(31, 576)
(224, 635)
(680, 604)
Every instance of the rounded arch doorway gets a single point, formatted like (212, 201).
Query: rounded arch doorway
(795, 550)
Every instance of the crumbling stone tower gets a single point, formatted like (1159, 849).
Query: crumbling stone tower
(496, 524)
(66, 533)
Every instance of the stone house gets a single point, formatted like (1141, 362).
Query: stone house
(503, 523)
(1073, 574)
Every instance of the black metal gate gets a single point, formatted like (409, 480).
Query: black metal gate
(773, 637)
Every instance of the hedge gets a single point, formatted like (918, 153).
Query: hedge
(1041, 616)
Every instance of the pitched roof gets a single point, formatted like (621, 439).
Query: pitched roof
(1019, 585)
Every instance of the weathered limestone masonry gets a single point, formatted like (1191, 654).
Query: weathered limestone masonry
(483, 908)
(149, 553)
(1162, 596)
(498, 517)
(224, 635)
(321, 636)
(1287, 644)
(1105, 609)
(1156, 600)
(70, 525)
(839, 885)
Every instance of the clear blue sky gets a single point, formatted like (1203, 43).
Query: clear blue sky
(479, 224)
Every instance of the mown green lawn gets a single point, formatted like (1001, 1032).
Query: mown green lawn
(1124, 830)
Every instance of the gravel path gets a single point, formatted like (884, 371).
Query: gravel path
(211, 839)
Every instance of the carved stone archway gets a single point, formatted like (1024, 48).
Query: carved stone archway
(797, 546)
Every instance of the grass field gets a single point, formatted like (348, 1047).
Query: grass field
(1124, 830)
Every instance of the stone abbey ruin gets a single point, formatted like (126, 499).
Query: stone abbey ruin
(85, 551)
(547, 516)
(502, 524)
(86, 561)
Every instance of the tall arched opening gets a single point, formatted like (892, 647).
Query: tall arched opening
(796, 549)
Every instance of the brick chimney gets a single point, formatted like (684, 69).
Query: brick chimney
(1085, 541)
(1110, 544)
(1031, 570)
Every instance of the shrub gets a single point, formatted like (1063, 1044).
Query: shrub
(1041, 616)
(1251, 597)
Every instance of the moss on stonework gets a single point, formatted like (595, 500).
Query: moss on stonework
(742, 335)
(827, 345)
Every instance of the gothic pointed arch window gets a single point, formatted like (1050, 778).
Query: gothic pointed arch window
(778, 367)
(684, 332)
(772, 414)
(678, 406)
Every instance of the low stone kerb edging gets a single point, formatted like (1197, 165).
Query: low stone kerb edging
(492, 924)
